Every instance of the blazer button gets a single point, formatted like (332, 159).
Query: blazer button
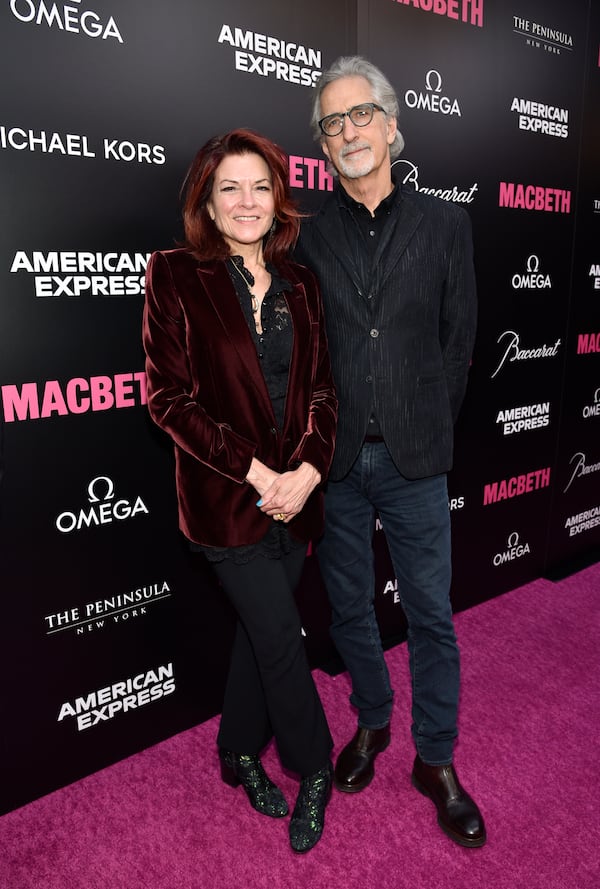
(374, 332)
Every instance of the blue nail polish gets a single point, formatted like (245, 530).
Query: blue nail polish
(259, 502)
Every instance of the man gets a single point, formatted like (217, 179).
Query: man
(396, 273)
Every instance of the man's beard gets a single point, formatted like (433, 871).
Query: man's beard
(354, 169)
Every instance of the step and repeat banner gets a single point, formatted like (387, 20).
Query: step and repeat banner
(114, 636)
(499, 108)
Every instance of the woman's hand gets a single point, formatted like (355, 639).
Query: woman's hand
(289, 492)
(261, 477)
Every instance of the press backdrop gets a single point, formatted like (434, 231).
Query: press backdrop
(113, 635)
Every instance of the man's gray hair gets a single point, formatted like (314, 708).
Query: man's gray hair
(382, 89)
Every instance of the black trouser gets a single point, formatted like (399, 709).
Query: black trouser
(270, 691)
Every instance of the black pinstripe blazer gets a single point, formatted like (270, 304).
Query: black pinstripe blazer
(401, 342)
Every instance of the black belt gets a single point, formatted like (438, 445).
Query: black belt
(372, 438)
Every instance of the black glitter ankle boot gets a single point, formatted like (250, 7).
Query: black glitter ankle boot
(308, 818)
(264, 796)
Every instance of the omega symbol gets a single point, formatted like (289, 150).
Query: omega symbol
(92, 497)
(438, 78)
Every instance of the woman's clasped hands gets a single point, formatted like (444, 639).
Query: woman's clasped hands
(283, 495)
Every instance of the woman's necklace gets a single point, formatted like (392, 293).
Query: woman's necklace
(250, 282)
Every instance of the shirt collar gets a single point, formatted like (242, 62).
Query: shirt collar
(278, 282)
(383, 207)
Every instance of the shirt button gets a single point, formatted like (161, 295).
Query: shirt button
(260, 354)
(374, 332)
(372, 233)
(369, 379)
(369, 296)
(273, 430)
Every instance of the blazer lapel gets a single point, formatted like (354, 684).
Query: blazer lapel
(216, 284)
(398, 235)
(389, 250)
(330, 226)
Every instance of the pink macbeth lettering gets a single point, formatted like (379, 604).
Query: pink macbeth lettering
(587, 343)
(33, 402)
(309, 172)
(516, 486)
(534, 197)
(470, 11)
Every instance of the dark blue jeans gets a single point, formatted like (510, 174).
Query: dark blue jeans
(416, 521)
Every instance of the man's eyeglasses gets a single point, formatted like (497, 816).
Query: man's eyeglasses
(360, 115)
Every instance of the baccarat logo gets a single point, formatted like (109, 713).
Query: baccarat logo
(513, 351)
(408, 174)
(579, 468)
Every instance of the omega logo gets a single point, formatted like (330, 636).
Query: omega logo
(438, 76)
(432, 100)
(110, 489)
(104, 509)
(533, 279)
(593, 410)
(515, 550)
(66, 17)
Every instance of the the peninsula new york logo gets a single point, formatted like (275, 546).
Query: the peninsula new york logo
(541, 36)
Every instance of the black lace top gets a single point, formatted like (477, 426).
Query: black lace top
(274, 349)
(274, 344)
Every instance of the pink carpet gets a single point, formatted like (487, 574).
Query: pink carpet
(528, 753)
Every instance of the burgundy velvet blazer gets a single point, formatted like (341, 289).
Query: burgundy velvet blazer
(207, 391)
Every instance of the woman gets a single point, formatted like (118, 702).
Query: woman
(239, 376)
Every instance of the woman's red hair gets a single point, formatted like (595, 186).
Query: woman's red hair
(201, 235)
